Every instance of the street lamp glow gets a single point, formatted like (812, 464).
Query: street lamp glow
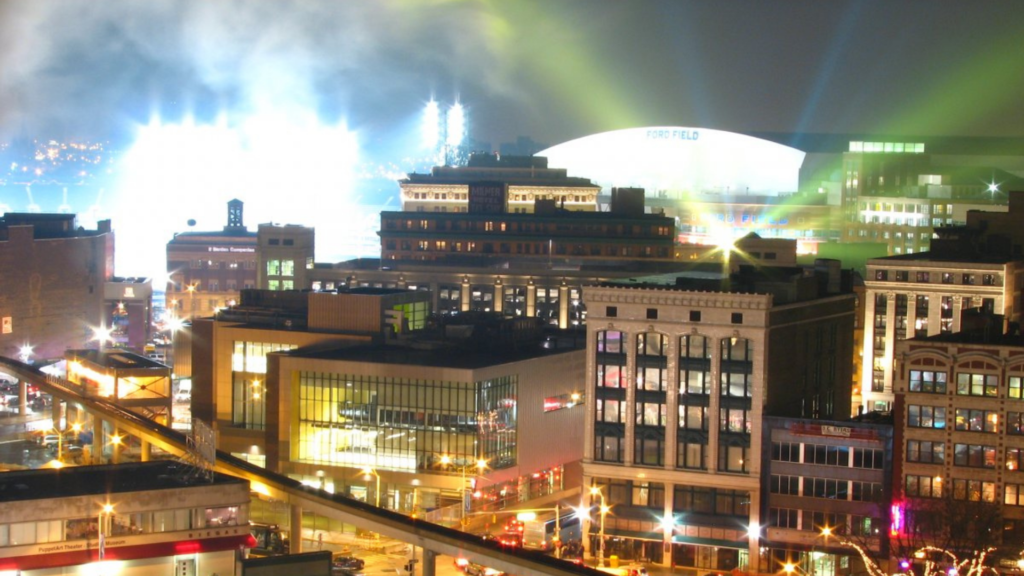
(367, 471)
(102, 334)
(667, 523)
(25, 352)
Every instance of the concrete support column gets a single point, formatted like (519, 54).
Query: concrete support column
(499, 296)
(145, 451)
(630, 379)
(97, 439)
(958, 309)
(912, 315)
(531, 300)
(714, 405)
(867, 350)
(754, 536)
(429, 563)
(295, 530)
(890, 338)
(563, 306)
(672, 404)
(57, 415)
(22, 398)
(668, 512)
(466, 293)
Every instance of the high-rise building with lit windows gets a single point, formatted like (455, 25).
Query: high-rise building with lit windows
(681, 369)
(959, 413)
(514, 182)
(977, 265)
(286, 256)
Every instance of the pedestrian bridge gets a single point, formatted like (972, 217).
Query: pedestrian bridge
(432, 538)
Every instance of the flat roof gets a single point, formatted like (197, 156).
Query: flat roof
(116, 359)
(440, 357)
(20, 485)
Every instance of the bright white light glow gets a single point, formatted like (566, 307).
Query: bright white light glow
(431, 126)
(673, 162)
(288, 168)
(456, 125)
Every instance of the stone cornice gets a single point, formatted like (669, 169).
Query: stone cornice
(669, 296)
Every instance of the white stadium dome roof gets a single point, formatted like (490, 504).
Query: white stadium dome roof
(674, 161)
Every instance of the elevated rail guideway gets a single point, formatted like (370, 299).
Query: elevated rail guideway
(432, 538)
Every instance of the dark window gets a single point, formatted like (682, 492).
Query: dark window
(737, 317)
(694, 315)
(274, 241)
(652, 313)
(612, 311)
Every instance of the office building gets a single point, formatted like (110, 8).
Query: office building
(623, 233)
(491, 183)
(128, 312)
(959, 411)
(53, 284)
(285, 256)
(826, 483)
(894, 193)
(977, 265)
(322, 385)
(207, 270)
(681, 370)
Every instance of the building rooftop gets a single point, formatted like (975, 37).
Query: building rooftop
(193, 236)
(109, 479)
(116, 359)
(446, 353)
(786, 284)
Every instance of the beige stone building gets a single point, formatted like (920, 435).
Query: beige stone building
(680, 371)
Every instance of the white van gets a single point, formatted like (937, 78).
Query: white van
(184, 391)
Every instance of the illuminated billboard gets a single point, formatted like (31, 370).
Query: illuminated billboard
(674, 162)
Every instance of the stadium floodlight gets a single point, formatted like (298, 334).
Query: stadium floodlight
(456, 125)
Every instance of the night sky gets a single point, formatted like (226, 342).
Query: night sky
(553, 70)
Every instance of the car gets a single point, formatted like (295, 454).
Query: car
(474, 569)
(49, 439)
(511, 539)
(348, 563)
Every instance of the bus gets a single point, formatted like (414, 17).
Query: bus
(539, 534)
